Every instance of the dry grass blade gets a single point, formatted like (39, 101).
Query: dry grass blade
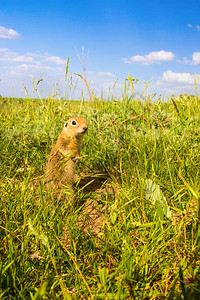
(132, 118)
(71, 257)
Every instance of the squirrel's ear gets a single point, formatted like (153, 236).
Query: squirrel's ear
(66, 124)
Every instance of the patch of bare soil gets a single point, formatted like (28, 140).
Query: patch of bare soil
(93, 214)
(91, 183)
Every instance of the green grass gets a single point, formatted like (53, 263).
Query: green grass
(149, 244)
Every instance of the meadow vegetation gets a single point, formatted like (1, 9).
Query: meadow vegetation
(148, 153)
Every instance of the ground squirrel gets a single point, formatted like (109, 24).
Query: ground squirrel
(65, 155)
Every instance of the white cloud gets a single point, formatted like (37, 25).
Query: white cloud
(6, 33)
(126, 60)
(107, 74)
(185, 60)
(34, 67)
(172, 78)
(21, 67)
(194, 27)
(12, 57)
(198, 27)
(13, 73)
(38, 55)
(140, 59)
(155, 57)
(9, 56)
(22, 58)
(56, 59)
(196, 58)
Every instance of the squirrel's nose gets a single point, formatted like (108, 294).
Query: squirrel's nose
(85, 128)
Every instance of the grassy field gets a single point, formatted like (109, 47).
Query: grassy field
(140, 164)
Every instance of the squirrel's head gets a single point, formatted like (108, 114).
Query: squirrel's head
(76, 127)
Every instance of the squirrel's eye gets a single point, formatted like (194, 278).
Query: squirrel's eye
(73, 122)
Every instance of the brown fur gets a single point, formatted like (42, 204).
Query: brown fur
(65, 155)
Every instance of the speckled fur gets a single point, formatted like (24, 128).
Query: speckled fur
(61, 166)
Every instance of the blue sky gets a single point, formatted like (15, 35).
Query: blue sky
(149, 39)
